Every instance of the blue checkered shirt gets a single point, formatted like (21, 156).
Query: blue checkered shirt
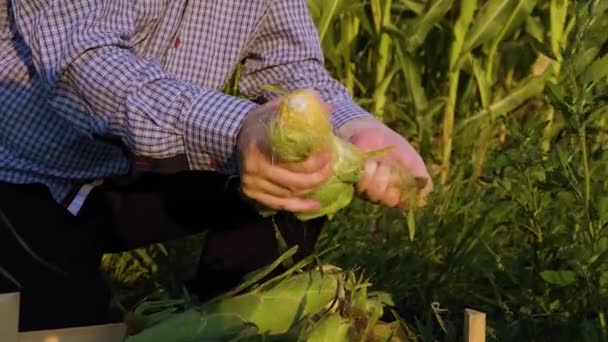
(87, 86)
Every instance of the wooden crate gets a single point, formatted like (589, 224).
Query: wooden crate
(9, 326)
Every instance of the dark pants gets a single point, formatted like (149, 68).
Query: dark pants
(118, 217)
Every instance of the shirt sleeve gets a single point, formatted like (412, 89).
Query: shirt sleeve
(287, 51)
(86, 46)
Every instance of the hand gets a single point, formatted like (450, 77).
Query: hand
(381, 181)
(271, 183)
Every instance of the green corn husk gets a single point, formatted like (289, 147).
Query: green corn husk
(273, 311)
(331, 328)
(302, 128)
(322, 304)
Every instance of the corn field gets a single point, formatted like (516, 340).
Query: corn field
(507, 101)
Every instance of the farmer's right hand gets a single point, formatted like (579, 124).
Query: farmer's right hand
(271, 183)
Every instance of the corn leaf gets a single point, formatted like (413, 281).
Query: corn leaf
(490, 20)
(519, 14)
(482, 83)
(329, 11)
(412, 5)
(413, 79)
(419, 28)
(558, 11)
(534, 28)
(461, 29)
(376, 12)
(531, 87)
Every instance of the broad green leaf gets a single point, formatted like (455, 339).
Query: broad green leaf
(559, 278)
(604, 283)
(556, 96)
(597, 114)
(419, 28)
(597, 70)
(583, 59)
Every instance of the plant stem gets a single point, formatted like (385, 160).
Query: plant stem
(350, 30)
(587, 173)
(448, 124)
(603, 326)
(383, 58)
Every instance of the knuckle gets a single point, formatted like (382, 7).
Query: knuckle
(248, 166)
(393, 201)
(247, 192)
(318, 178)
(246, 182)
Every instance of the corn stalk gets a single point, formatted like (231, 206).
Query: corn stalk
(461, 27)
(381, 12)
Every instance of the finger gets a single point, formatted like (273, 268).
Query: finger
(366, 178)
(296, 182)
(416, 166)
(313, 164)
(261, 185)
(380, 182)
(392, 197)
(294, 205)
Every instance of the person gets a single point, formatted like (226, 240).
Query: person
(115, 133)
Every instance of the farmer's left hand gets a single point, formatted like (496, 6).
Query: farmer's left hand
(378, 182)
